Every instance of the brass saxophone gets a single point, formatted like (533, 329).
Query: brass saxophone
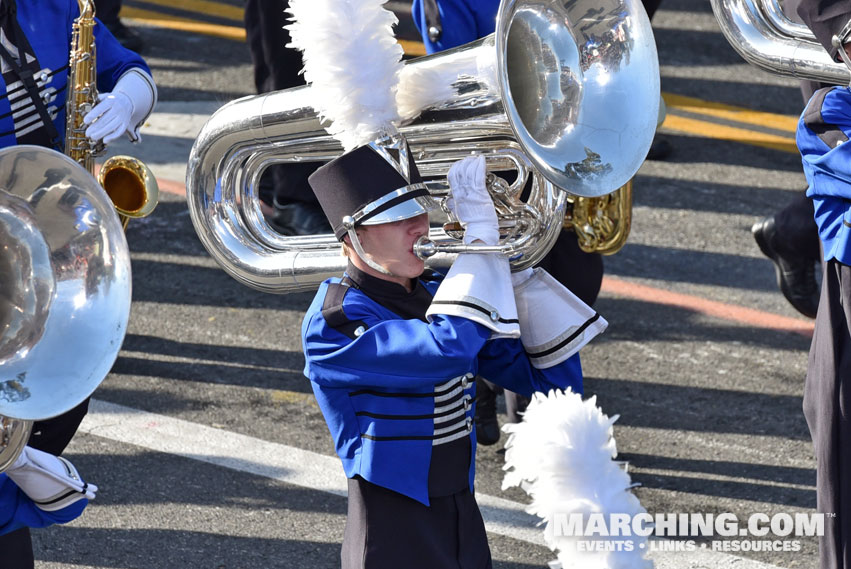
(128, 182)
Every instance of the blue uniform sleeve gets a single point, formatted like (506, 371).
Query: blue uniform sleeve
(17, 510)
(113, 59)
(827, 166)
(462, 20)
(390, 353)
(504, 362)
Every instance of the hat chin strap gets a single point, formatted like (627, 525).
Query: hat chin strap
(353, 237)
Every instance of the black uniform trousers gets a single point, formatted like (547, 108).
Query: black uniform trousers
(276, 67)
(827, 405)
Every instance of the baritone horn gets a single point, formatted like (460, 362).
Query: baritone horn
(564, 94)
(64, 289)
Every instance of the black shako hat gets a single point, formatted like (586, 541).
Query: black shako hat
(372, 184)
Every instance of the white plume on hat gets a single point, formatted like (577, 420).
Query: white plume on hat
(352, 62)
(561, 455)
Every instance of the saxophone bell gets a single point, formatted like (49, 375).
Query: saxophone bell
(130, 185)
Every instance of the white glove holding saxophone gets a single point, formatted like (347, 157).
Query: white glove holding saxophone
(51, 482)
(470, 201)
(123, 110)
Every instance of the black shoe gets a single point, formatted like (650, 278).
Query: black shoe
(487, 426)
(796, 276)
(299, 218)
(126, 37)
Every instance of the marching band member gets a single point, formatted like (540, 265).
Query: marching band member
(39, 490)
(34, 55)
(391, 351)
(35, 42)
(822, 137)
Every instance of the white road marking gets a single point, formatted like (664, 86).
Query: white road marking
(308, 469)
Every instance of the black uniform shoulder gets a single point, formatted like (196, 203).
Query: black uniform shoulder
(334, 313)
(814, 118)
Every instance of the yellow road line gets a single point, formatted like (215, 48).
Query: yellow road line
(208, 7)
(161, 20)
(183, 24)
(203, 7)
(723, 132)
(728, 112)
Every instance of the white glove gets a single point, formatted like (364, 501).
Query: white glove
(50, 481)
(124, 109)
(110, 118)
(470, 201)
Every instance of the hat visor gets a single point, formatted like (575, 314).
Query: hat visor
(405, 210)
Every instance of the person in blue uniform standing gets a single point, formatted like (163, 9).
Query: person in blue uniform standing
(822, 137)
(39, 490)
(35, 43)
(391, 350)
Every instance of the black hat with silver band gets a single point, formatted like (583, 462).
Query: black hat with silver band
(373, 184)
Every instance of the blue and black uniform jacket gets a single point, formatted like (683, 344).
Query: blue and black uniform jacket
(822, 137)
(390, 388)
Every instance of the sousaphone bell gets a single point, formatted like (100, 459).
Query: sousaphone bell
(65, 289)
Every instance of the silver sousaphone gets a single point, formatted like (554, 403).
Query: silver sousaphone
(565, 93)
(768, 38)
(64, 289)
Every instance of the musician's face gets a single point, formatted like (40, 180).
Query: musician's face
(391, 245)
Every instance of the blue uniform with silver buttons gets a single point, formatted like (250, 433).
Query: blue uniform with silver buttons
(397, 394)
(380, 385)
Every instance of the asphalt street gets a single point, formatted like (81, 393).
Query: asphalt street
(210, 451)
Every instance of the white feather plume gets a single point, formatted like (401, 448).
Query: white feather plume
(352, 62)
(561, 455)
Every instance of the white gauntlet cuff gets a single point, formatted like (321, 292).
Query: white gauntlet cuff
(478, 288)
(51, 482)
(554, 323)
(142, 92)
